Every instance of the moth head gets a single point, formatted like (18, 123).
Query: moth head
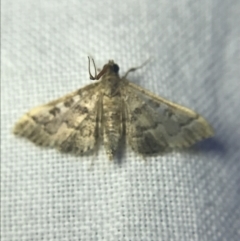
(113, 67)
(110, 68)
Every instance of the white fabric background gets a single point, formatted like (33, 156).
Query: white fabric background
(189, 195)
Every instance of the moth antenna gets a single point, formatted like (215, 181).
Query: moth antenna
(102, 72)
(89, 69)
(136, 68)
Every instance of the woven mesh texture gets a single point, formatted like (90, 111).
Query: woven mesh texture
(189, 195)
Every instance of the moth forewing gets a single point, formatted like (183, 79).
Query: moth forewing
(156, 124)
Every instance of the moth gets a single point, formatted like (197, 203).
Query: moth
(108, 110)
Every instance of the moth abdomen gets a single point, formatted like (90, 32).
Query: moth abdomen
(112, 124)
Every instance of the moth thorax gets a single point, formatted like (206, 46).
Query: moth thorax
(111, 85)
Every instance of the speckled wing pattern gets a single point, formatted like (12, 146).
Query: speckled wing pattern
(105, 111)
(69, 123)
(154, 125)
